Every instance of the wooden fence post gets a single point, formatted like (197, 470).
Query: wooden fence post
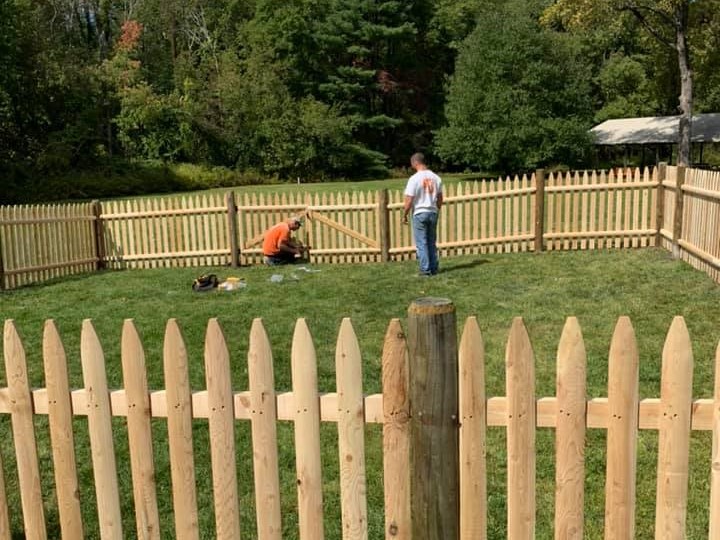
(232, 229)
(660, 210)
(99, 235)
(539, 209)
(679, 206)
(434, 432)
(2, 269)
(384, 232)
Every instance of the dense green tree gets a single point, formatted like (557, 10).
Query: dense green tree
(519, 97)
(668, 21)
(625, 89)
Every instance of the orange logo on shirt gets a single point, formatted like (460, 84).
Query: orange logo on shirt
(428, 185)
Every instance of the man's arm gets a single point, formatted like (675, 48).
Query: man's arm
(289, 246)
(407, 208)
(439, 200)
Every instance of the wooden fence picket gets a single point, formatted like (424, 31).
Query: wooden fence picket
(21, 415)
(139, 433)
(674, 415)
(570, 433)
(715, 463)
(179, 411)
(473, 471)
(221, 418)
(396, 434)
(60, 418)
(520, 388)
(674, 440)
(101, 433)
(307, 434)
(5, 532)
(351, 434)
(622, 433)
(263, 409)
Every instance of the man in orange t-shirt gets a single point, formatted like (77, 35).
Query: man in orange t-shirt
(278, 246)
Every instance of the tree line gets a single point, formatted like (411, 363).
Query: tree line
(324, 89)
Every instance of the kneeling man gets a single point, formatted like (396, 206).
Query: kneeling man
(278, 245)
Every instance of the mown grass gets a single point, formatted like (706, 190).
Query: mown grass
(544, 289)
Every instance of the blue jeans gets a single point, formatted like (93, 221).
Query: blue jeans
(425, 231)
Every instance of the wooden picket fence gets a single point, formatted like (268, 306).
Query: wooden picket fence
(674, 414)
(42, 242)
(672, 207)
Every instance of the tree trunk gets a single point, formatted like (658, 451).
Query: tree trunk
(686, 83)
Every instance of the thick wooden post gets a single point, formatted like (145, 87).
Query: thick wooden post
(99, 235)
(232, 229)
(660, 210)
(539, 209)
(384, 232)
(679, 207)
(434, 432)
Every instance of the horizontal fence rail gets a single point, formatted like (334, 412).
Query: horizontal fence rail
(670, 207)
(673, 415)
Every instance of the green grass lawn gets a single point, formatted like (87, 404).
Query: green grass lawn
(544, 289)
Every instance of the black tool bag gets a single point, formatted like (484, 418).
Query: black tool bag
(205, 282)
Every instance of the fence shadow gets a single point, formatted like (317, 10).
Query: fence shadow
(464, 265)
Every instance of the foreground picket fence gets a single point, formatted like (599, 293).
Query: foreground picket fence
(672, 207)
(674, 414)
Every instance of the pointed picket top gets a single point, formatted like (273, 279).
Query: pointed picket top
(396, 426)
(674, 437)
(259, 350)
(520, 387)
(264, 434)
(571, 350)
(23, 432)
(13, 349)
(473, 471)
(90, 347)
(570, 432)
(174, 342)
(61, 433)
(53, 347)
(101, 436)
(221, 421)
(624, 345)
(302, 345)
(131, 347)
(715, 465)
(215, 343)
(307, 433)
(348, 348)
(179, 407)
(471, 336)
(351, 438)
(620, 479)
(518, 344)
(139, 432)
(678, 347)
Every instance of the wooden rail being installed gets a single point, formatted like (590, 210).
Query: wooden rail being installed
(674, 415)
(556, 211)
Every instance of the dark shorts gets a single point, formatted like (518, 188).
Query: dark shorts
(281, 258)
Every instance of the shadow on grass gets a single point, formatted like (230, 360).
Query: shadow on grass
(464, 265)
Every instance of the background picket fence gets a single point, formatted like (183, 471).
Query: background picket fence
(672, 207)
(674, 414)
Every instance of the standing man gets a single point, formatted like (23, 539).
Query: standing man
(278, 245)
(423, 194)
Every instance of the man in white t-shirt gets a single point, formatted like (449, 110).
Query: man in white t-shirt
(424, 196)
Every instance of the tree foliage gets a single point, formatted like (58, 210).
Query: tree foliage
(337, 88)
(519, 97)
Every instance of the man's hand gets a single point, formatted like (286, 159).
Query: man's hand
(405, 219)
